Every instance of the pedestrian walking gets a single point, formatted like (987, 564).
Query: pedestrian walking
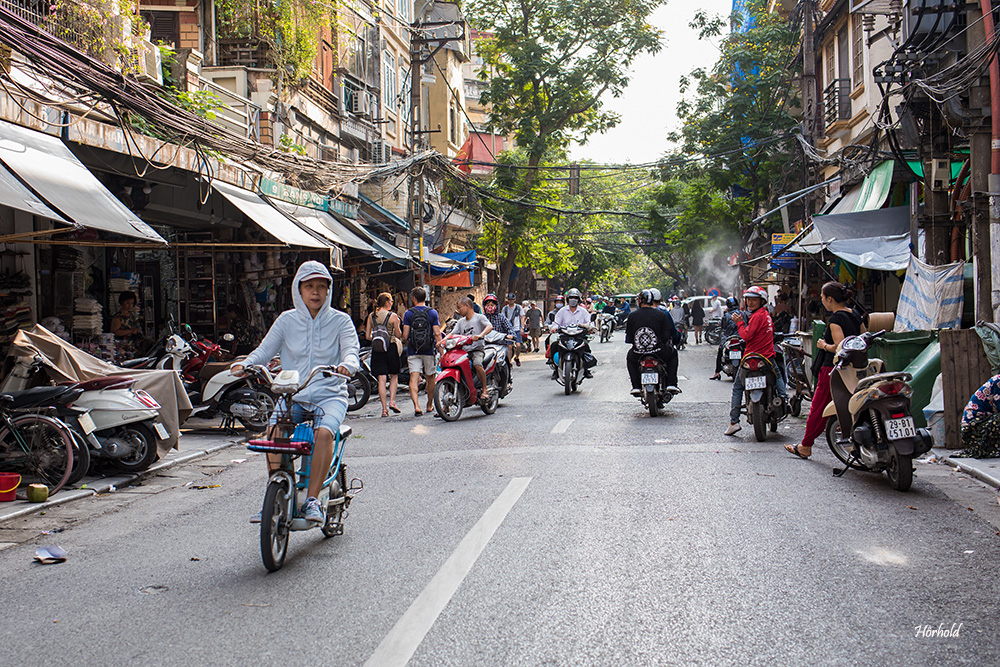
(515, 315)
(843, 322)
(422, 333)
(697, 319)
(383, 331)
(533, 316)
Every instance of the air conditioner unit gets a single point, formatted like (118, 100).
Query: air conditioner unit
(358, 103)
(378, 153)
(150, 65)
(386, 152)
(940, 174)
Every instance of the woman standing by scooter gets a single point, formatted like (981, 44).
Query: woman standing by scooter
(843, 322)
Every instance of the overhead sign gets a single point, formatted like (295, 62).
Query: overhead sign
(786, 260)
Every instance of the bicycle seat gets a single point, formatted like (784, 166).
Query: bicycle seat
(109, 382)
(345, 431)
(41, 396)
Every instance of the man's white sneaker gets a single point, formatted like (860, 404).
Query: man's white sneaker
(733, 429)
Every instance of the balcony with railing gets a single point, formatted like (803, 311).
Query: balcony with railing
(237, 113)
(837, 102)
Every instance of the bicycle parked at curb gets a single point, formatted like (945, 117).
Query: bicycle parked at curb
(292, 437)
(36, 446)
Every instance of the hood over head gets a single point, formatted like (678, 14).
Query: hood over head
(310, 269)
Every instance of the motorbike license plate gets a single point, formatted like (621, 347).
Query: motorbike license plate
(650, 378)
(898, 429)
(735, 355)
(86, 423)
(161, 430)
(756, 382)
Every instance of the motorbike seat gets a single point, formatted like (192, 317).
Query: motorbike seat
(109, 382)
(488, 356)
(139, 362)
(40, 396)
(880, 378)
(210, 370)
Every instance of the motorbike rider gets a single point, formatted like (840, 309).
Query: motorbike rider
(499, 321)
(651, 331)
(572, 313)
(758, 336)
(551, 317)
(477, 326)
(312, 333)
(728, 330)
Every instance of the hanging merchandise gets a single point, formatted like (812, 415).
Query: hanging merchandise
(932, 297)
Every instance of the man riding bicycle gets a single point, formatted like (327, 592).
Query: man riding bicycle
(312, 334)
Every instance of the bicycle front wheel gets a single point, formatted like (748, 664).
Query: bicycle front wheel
(38, 448)
(274, 525)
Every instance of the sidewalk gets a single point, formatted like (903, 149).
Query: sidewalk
(985, 470)
(196, 445)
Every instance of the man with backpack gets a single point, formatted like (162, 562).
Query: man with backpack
(515, 315)
(422, 332)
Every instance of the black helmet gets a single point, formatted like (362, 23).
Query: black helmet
(645, 297)
(732, 304)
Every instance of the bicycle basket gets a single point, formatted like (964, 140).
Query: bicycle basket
(293, 430)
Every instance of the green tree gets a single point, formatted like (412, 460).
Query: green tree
(548, 66)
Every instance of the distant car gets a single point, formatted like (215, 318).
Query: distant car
(706, 301)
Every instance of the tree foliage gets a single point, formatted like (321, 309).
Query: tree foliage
(547, 67)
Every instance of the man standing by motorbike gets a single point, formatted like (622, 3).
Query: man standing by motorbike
(758, 335)
(572, 313)
(651, 331)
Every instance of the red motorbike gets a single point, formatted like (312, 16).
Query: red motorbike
(457, 385)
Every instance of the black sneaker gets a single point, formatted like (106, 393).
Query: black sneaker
(588, 374)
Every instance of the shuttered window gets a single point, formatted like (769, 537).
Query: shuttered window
(164, 27)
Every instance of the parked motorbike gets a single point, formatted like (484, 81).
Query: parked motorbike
(682, 329)
(732, 355)
(568, 357)
(457, 385)
(797, 373)
(237, 398)
(654, 384)
(112, 421)
(881, 434)
(713, 330)
(761, 404)
(607, 322)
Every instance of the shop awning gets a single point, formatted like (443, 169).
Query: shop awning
(270, 219)
(382, 248)
(877, 239)
(50, 169)
(324, 224)
(14, 194)
(868, 196)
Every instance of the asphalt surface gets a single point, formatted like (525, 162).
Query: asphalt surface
(521, 539)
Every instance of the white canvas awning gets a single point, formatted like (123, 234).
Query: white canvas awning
(270, 219)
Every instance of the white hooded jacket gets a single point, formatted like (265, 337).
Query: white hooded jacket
(303, 342)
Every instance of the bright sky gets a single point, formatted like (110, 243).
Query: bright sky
(647, 107)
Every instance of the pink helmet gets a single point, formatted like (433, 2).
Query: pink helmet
(756, 292)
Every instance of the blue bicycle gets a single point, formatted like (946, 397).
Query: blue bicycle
(290, 439)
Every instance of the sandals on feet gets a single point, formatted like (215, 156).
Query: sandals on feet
(393, 407)
(794, 449)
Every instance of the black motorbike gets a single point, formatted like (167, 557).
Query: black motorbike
(713, 330)
(761, 404)
(732, 355)
(607, 322)
(654, 384)
(570, 357)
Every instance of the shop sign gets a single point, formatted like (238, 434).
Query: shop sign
(292, 195)
(343, 208)
(786, 260)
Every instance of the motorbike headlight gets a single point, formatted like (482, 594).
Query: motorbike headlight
(450, 344)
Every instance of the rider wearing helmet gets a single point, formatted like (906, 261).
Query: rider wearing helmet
(651, 331)
(758, 333)
(499, 322)
(573, 312)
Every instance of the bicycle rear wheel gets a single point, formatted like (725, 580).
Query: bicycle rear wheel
(40, 449)
(275, 521)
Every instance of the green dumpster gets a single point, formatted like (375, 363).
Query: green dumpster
(897, 350)
(924, 369)
(819, 327)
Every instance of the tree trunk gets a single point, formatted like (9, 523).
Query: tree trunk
(510, 259)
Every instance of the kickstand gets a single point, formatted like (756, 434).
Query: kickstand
(839, 472)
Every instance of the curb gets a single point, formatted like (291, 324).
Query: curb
(105, 484)
(982, 476)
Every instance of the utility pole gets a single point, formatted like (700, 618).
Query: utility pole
(979, 105)
(808, 99)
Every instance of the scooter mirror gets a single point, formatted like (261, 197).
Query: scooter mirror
(228, 337)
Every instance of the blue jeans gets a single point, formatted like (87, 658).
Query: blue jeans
(738, 389)
(334, 411)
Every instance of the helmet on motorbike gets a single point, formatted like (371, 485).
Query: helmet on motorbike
(655, 295)
(572, 294)
(490, 304)
(645, 297)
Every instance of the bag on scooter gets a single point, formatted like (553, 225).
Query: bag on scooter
(589, 360)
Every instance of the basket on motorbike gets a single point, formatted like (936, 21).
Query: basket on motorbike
(293, 430)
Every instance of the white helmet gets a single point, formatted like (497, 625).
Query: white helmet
(656, 294)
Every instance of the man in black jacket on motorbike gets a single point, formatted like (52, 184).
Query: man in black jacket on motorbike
(729, 330)
(651, 331)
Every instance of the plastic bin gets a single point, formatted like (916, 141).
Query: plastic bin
(897, 350)
(925, 370)
(818, 329)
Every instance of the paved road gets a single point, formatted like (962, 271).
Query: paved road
(559, 531)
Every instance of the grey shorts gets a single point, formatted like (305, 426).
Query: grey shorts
(422, 363)
(476, 357)
(536, 332)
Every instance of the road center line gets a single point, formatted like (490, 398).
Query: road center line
(399, 645)
(562, 426)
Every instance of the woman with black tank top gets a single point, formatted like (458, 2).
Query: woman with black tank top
(843, 323)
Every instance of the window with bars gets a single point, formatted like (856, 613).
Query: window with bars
(390, 84)
(858, 37)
